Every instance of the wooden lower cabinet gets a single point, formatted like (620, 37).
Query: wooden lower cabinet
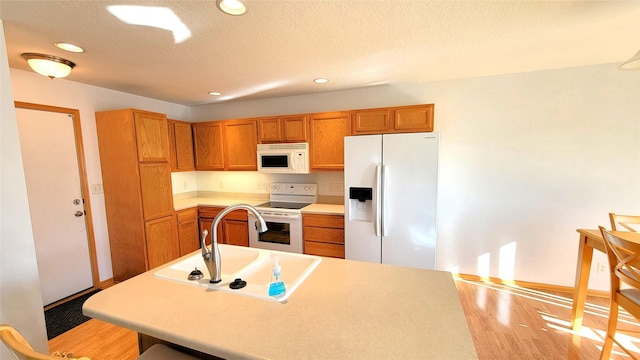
(235, 232)
(162, 241)
(323, 235)
(188, 234)
(233, 228)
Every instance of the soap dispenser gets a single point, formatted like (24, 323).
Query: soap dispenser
(276, 288)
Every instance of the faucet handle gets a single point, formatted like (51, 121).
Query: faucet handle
(203, 243)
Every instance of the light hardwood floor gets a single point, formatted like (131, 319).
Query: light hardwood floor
(506, 322)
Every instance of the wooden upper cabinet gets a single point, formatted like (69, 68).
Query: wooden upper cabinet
(327, 140)
(181, 146)
(152, 136)
(207, 138)
(269, 130)
(294, 128)
(371, 121)
(173, 159)
(240, 145)
(415, 118)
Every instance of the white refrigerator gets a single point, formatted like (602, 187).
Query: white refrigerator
(390, 198)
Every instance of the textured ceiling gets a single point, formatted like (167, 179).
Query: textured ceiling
(278, 47)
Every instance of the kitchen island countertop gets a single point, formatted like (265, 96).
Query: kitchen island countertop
(344, 310)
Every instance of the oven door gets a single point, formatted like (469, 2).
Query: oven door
(284, 232)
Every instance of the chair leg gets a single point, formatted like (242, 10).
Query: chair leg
(611, 331)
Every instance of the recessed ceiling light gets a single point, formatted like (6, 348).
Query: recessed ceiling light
(215, 93)
(231, 7)
(69, 47)
(320, 81)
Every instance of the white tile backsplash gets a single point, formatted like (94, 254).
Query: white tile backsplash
(331, 184)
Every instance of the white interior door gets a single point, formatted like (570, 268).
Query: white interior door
(55, 202)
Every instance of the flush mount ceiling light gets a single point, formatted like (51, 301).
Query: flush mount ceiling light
(231, 7)
(631, 64)
(49, 65)
(320, 81)
(68, 47)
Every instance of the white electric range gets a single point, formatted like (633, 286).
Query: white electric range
(283, 216)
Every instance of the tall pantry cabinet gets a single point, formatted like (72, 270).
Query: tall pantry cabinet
(136, 174)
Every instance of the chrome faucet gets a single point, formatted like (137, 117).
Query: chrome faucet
(212, 257)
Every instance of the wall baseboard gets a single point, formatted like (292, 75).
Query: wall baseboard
(107, 283)
(530, 285)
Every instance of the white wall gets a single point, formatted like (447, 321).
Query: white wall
(20, 296)
(33, 88)
(525, 160)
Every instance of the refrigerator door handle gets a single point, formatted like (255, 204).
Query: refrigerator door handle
(383, 187)
(376, 205)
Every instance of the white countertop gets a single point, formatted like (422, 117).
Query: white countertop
(344, 310)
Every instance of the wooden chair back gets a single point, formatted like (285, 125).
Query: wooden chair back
(19, 346)
(626, 221)
(22, 350)
(624, 258)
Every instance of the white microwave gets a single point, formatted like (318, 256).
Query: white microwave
(285, 158)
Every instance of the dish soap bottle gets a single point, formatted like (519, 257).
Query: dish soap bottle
(276, 288)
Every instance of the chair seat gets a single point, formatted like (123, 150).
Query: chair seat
(163, 352)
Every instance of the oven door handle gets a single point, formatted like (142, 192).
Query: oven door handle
(274, 216)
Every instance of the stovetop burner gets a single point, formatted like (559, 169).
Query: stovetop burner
(283, 205)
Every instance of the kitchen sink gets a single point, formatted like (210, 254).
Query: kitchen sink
(249, 264)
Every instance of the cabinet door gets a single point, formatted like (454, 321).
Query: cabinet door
(240, 145)
(207, 139)
(413, 118)
(157, 196)
(324, 249)
(327, 140)
(269, 130)
(188, 234)
(374, 121)
(205, 224)
(236, 232)
(162, 241)
(173, 159)
(295, 128)
(152, 136)
(184, 146)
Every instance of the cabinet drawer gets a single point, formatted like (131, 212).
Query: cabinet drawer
(187, 214)
(322, 249)
(330, 221)
(212, 212)
(325, 235)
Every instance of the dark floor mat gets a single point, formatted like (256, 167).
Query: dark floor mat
(65, 317)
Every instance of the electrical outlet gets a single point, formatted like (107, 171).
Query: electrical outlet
(601, 268)
(259, 186)
(265, 184)
(97, 189)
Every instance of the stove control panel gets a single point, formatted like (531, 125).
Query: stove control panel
(294, 189)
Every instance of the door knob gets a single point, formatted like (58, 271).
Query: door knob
(78, 213)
